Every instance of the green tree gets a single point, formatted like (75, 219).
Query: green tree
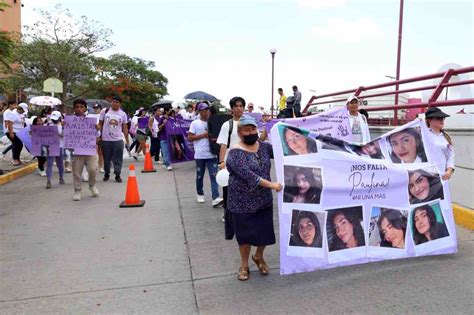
(7, 45)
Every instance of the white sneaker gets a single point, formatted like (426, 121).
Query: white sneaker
(101, 170)
(42, 173)
(169, 168)
(85, 178)
(217, 202)
(77, 196)
(201, 199)
(67, 170)
(94, 191)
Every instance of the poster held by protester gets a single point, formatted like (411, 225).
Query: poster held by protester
(25, 136)
(80, 135)
(44, 141)
(180, 148)
(345, 203)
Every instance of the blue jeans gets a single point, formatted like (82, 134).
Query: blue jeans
(212, 169)
(165, 151)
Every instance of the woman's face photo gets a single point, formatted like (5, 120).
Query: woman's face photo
(296, 141)
(404, 146)
(419, 186)
(306, 231)
(344, 229)
(302, 183)
(370, 149)
(391, 234)
(422, 222)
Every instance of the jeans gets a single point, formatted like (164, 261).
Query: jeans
(201, 169)
(59, 165)
(165, 151)
(17, 146)
(113, 152)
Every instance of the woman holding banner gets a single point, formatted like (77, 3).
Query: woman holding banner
(426, 227)
(250, 200)
(407, 146)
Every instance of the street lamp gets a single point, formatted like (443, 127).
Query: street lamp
(273, 52)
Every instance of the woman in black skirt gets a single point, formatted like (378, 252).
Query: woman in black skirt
(250, 200)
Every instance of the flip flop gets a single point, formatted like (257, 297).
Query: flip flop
(262, 265)
(244, 274)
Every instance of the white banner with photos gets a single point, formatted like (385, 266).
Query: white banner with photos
(345, 203)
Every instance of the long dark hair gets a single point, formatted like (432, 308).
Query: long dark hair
(295, 237)
(445, 134)
(310, 143)
(336, 242)
(313, 195)
(436, 230)
(420, 151)
(436, 187)
(396, 219)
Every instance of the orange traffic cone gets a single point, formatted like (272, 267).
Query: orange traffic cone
(148, 166)
(132, 196)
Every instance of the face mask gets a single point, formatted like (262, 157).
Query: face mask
(251, 139)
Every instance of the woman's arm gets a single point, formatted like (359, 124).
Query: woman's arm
(272, 185)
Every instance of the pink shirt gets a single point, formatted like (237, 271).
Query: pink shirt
(113, 123)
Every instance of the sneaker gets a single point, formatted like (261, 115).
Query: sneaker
(61, 181)
(118, 179)
(85, 178)
(169, 168)
(201, 199)
(223, 218)
(94, 191)
(101, 170)
(77, 196)
(106, 177)
(42, 173)
(135, 156)
(67, 170)
(217, 202)
(48, 185)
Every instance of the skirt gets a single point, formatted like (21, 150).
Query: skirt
(254, 229)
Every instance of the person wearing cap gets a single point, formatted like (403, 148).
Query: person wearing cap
(435, 121)
(359, 125)
(13, 122)
(203, 156)
(113, 127)
(250, 200)
(55, 120)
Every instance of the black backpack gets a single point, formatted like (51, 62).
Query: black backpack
(214, 126)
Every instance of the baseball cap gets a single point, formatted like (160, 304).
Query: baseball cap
(55, 115)
(202, 106)
(247, 120)
(435, 112)
(23, 106)
(351, 98)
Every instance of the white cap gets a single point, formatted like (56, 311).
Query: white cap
(23, 106)
(352, 97)
(55, 115)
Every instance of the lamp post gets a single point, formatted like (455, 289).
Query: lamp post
(399, 53)
(273, 52)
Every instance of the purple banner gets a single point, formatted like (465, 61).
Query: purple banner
(25, 137)
(45, 141)
(181, 150)
(80, 135)
(258, 118)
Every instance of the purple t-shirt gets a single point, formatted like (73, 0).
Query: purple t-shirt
(113, 121)
(162, 133)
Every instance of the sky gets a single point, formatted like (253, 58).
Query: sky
(323, 46)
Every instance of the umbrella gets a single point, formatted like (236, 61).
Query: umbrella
(45, 101)
(200, 96)
(162, 104)
(103, 103)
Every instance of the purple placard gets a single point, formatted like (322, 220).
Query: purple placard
(45, 141)
(25, 137)
(143, 122)
(181, 150)
(80, 135)
(258, 118)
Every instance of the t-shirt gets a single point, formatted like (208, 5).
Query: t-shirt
(224, 135)
(282, 104)
(201, 146)
(17, 120)
(162, 132)
(113, 123)
(359, 128)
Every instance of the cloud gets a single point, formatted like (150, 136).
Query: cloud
(321, 4)
(348, 31)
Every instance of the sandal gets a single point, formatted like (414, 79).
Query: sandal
(262, 265)
(244, 274)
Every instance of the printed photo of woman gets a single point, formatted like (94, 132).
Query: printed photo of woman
(306, 229)
(344, 228)
(424, 186)
(392, 226)
(426, 225)
(296, 141)
(371, 150)
(302, 185)
(406, 146)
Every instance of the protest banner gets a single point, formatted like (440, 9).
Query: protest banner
(25, 136)
(258, 118)
(44, 141)
(180, 148)
(345, 203)
(80, 135)
(334, 123)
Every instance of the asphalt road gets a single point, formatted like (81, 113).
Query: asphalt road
(170, 257)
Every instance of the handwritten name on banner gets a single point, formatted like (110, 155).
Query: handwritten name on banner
(345, 203)
(80, 135)
(44, 141)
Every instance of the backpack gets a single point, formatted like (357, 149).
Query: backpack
(214, 126)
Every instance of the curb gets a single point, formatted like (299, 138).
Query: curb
(22, 171)
(463, 216)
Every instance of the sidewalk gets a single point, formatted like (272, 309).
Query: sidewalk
(170, 257)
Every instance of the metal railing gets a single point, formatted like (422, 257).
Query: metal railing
(433, 101)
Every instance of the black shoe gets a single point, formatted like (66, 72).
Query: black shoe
(106, 177)
(118, 179)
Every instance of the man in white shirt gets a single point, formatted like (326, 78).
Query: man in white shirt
(203, 156)
(359, 125)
